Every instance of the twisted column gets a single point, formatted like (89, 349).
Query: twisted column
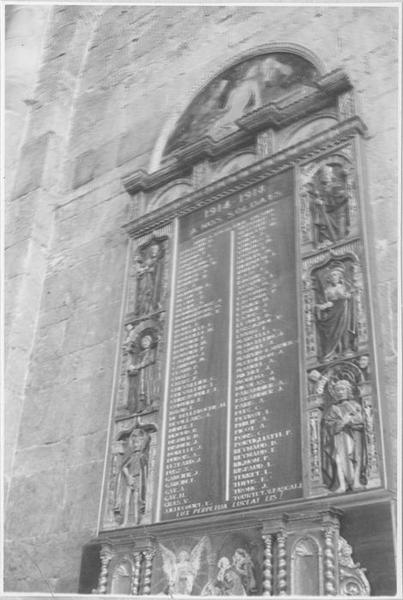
(329, 562)
(268, 565)
(105, 556)
(282, 564)
(148, 556)
(136, 574)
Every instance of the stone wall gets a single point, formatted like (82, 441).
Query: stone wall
(111, 84)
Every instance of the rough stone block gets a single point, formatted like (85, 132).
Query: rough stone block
(84, 168)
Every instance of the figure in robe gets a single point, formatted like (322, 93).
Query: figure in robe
(329, 205)
(131, 482)
(142, 375)
(344, 453)
(243, 564)
(228, 582)
(336, 316)
(149, 275)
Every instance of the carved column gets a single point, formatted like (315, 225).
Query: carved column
(282, 563)
(330, 561)
(372, 455)
(105, 556)
(136, 574)
(148, 566)
(268, 565)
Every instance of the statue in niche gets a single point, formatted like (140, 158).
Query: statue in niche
(234, 578)
(131, 481)
(142, 390)
(335, 314)
(329, 204)
(344, 452)
(182, 569)
(149, 278)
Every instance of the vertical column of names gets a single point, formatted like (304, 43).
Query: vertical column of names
(195, 451)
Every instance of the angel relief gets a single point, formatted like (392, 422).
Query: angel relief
(182, 569)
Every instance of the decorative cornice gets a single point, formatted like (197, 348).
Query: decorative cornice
(275, 115)
(317, 144)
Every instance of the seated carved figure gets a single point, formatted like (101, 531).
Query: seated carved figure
(344, 457)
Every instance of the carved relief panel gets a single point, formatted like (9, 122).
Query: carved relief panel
(136, 427)
(344, 454)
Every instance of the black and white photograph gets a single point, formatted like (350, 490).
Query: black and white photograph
(201, 300)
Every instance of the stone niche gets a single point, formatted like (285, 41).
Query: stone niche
(245, 431)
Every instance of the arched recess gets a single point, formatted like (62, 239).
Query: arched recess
(213, 76)
(306, 567)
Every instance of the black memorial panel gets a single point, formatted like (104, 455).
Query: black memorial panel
(233, 426)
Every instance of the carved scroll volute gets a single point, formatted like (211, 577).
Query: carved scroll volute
(282, 563)
(148, 566)
(105, 556)
(135, 583)
(352, 578)
(268, 564)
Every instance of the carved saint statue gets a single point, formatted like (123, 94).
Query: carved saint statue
(329, 203)
(149, 275)
(131, 482)
(182, 569)
(142, 373)
(344, 454)
(243, 564)
(336, 320)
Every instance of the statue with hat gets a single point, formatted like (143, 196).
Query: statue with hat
(130, 490)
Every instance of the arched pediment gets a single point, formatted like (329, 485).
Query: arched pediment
(239, 90)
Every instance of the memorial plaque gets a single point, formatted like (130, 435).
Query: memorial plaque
(233, 425)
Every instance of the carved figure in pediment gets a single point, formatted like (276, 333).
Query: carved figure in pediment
(329, 204)
(149, 278)
(227, 582)
(181, 569)
(344, 452)
(131, 482)
(243, 564)
(335, 313)
(142, 372)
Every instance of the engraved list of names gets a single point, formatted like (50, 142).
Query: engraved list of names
(233, 424)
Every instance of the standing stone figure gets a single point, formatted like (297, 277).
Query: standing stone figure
(131, 481)
(329, 204)
(336, 315)
(344, 454)
(149, 276)
(142, 373)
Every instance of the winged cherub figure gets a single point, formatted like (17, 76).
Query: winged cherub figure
(182, 568)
